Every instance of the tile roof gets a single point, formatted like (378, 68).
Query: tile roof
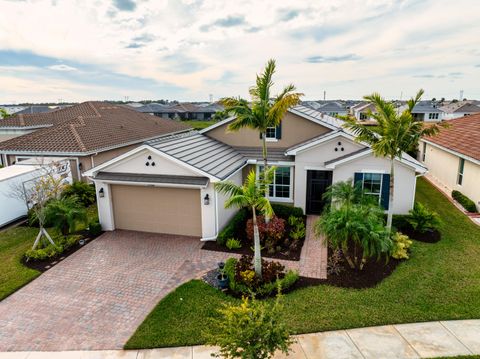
(86, 127)
(202, 152)
(463, 136)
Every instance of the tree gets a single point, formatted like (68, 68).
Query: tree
(65, 212)
(36, 193)
(250, 195)
(263, 111)
(251, 330)
(3, 113)
(395, 134)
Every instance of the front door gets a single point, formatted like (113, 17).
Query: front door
(317, 184)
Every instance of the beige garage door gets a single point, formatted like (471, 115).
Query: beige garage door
(157, 209)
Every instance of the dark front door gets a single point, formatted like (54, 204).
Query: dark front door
(317, 184)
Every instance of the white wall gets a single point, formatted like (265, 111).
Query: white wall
(405, 179)
(314, 159)
(224, 214)
(105, 207)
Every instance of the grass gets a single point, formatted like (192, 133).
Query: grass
(13, 244)
(440, 281)
(199, 125)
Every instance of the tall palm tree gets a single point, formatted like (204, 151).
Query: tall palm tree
(264, 110)
(250, 195)
(395, 134)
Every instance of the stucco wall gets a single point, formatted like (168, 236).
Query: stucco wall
(295, 129)
(225, 214)
(443, 167)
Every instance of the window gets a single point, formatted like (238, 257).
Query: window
(363, 116)
(271, 132)
(281, 187)
(372, 184)
(424, 151)
(333, 114)
(433, 116)
(461, 165)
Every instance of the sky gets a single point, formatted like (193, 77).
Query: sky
(189, 50)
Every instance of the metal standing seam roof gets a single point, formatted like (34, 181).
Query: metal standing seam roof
(318, 116)
(148, 178)
(202, 152)
(274, 154)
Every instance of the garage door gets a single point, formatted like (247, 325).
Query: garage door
(157, 209)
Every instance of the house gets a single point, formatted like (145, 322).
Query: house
(333, 108)
(167, 184)
(361, 110)
(88, 134)
(428, 111)
(459, 109)
(184, 111)
(453, 156)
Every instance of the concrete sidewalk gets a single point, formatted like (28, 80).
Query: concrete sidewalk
(417, 340)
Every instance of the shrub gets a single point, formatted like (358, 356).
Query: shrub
(401, 244)
(252, 329)
(466, 202)
(33, 220)
(284, 211)
(94, 229)
(233, 243)
(400, 221)
(243, 280)
(298, 227)
(64, 213)
(234, 227)
(422, 219)
(273, 230)
(83, 191)
(50, 251)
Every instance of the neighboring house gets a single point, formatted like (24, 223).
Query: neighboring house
(428, 111)
(88, 134)
(361, 110)
(166, 185)
(453, 156)
(459, 109)
(39, 109)
(11, 109)
(333, 108)
(184, 111)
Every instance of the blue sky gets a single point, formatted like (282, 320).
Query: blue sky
(187, 49)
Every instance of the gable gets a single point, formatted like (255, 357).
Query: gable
(328, 150)
(295, 129)
(157, 165)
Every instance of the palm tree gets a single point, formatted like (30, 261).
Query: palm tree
(65, 213)
(395, 134)
(250, 195)
(263, 111)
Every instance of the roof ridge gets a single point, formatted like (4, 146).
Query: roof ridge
(22, 120)
(75, 134)
(94, 109)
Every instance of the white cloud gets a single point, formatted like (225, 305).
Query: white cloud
(387, 43)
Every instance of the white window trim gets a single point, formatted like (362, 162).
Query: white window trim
(381, 185)
(462, 173)
(274, 138)
(281, 199)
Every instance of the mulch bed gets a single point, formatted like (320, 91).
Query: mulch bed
(45, 265)
(293, 255)
(427, 237)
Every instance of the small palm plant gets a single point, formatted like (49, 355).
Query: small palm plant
(250, 195)
(65, 213)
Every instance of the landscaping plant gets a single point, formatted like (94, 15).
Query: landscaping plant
(270, 233)
(395, 134)
(250, 195)
(233, 243)
(64, 213)
(466, 202)
(264, 110)
(401, 244)
(236, 224)
(422, 219)
(251, 330)
(83, 191)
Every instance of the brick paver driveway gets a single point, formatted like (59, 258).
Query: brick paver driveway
(97, 297)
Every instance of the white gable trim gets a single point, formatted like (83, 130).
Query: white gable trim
(92, 172)
(218, 124)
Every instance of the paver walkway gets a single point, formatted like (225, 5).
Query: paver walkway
(97, 297)
(403, 341)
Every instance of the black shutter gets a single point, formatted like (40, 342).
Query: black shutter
(278, 132)
(385, 199)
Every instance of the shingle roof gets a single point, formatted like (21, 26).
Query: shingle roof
(87, 127)
(202, 152)
(462, 136)
(332, 106)
(461, 106)
(426, 107)
(36, 109)
(148, 178)
(318, 116)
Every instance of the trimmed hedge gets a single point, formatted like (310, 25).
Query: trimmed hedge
(94, 229)
(233, 227)
(466, 202)
(284, 211)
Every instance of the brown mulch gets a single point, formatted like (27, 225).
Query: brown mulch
(293, 255)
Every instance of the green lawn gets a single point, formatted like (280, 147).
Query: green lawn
(440, 281)
(13, 244)
(199, 125)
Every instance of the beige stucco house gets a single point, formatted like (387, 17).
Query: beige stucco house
(453, 157)
(166, 185)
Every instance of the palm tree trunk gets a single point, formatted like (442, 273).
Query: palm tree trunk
(257, 261)
(390, 202)
(265, 164)
(347, 256)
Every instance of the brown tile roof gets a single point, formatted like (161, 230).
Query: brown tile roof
(462, 136)
(87, 127)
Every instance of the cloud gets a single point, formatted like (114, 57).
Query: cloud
(425, 76)
(254, 29)
(134, 45)
(478, 65)
(330, 59)
(229, 21)
(125, 5)
(287, 14)
(62, 67)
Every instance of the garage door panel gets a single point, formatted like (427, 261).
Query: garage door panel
(157, 209)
